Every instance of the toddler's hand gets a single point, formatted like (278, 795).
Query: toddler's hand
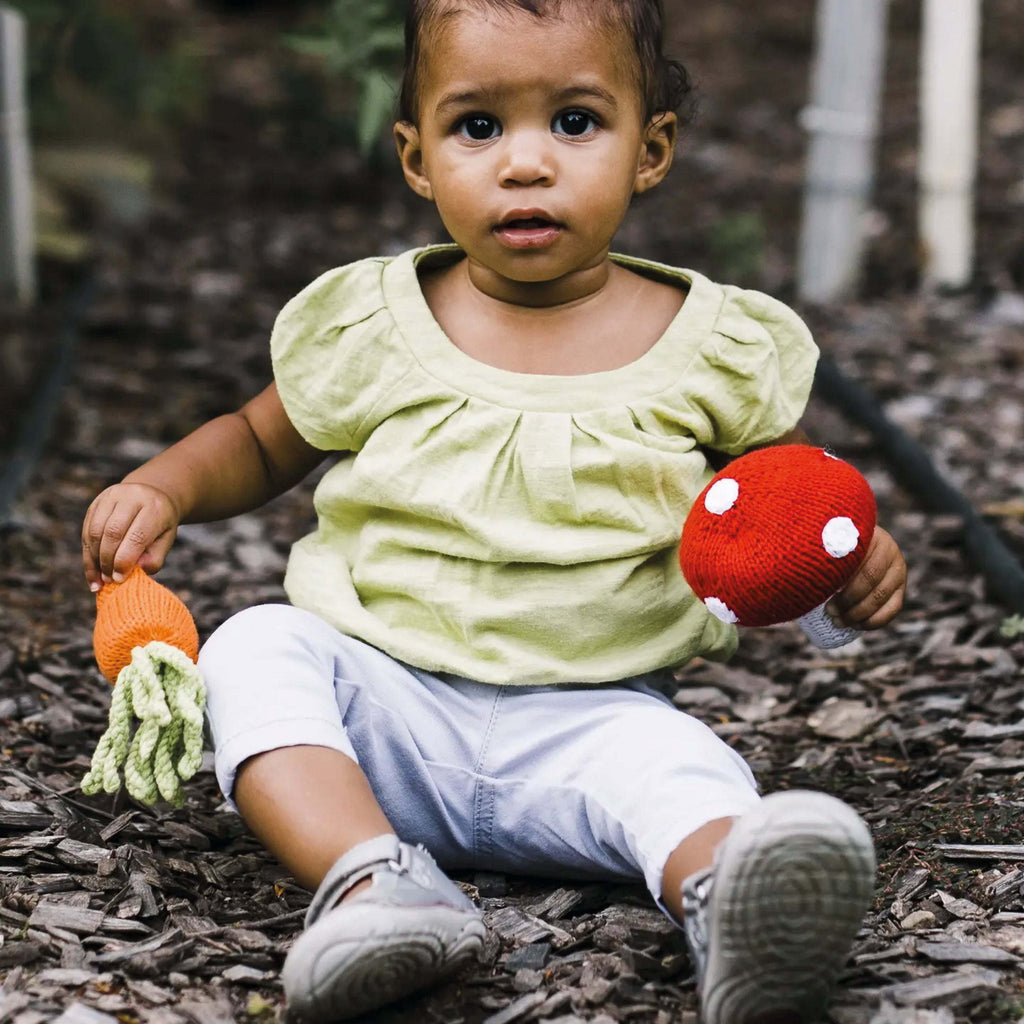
(127, 524)
(875, 594)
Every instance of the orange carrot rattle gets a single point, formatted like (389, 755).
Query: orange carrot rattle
(146, 644)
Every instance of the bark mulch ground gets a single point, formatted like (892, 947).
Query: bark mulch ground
(111, 911)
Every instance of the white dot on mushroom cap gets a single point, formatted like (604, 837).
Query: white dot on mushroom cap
(720, 609)
(721, 496)
(840, 536)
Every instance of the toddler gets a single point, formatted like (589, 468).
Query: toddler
(520, 422)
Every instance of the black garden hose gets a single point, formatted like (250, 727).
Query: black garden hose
(913, 470)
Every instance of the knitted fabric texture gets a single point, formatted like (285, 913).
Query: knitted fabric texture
(146, 640)
(131, 614)
(776, 533)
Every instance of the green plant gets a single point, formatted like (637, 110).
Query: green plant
(1008, 1009)
(737, 245)
(1012, 627)
(94, 61)
(360, 42)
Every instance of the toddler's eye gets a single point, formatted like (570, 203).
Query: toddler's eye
(479, 127)
(574, 122)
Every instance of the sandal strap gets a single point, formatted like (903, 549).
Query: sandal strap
(362, 861)
(696, 918)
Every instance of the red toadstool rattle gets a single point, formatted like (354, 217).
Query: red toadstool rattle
(775, 535)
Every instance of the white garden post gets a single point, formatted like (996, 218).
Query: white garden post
(17, 268)
(950, 50)
(842, 119)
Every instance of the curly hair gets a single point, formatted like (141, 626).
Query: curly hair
(664, 84)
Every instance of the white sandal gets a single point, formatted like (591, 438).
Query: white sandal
(771, 925)
(410, 927)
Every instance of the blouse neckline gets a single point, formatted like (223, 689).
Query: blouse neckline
(654, 371)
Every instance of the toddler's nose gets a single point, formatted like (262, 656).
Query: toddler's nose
(528, 160)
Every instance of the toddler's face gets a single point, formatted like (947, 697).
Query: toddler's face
(531, 140)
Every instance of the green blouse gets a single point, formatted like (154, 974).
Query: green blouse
(520, 528)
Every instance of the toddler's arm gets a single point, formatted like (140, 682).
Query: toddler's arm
(230, 465)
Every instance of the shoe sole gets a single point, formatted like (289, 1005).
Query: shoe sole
(374, 955)
(794, 881)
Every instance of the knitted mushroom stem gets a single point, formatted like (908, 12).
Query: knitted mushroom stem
(823, 632)
(160, 685)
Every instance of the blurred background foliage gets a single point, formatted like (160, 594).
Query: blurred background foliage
(119, 88)
(737, 243)
(97, 69)
(359, 43)
(138, 70)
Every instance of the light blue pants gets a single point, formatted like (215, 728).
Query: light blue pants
(572, 780)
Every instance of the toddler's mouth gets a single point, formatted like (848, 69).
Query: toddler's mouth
(531, 231)
(527, 223)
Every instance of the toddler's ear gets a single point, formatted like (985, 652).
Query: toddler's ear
(410, 153)
(656, 151)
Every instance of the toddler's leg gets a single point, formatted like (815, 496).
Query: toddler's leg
(384, 920)
(694, 854)
(770, 892)
(308, 806)
(283, 754)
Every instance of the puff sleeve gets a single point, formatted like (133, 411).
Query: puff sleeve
(325, 353)
(752, 377)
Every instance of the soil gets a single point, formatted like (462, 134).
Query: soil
(919, 727)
